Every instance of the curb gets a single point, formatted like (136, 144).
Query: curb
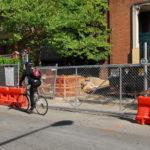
(86, 110)
(73, 109)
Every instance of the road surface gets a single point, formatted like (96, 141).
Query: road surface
(67, 130)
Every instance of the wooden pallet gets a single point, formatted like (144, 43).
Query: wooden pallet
(66, 85)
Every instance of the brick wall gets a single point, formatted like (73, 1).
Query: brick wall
(121, 30)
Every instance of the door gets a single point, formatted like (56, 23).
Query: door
(144, 33)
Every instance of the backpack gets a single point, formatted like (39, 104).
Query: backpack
(36, 72)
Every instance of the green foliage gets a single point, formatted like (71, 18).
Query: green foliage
(9, 61)
(74, 28)
(4, 60)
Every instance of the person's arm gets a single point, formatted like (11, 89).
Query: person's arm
(22, 78)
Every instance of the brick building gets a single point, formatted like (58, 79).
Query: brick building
(129, 21)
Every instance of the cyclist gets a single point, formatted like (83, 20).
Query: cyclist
(33, 80)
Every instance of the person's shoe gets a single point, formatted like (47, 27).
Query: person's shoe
(30, 111)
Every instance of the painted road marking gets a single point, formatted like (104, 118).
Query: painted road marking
(117, 125)
(2, 112)
(110, 130)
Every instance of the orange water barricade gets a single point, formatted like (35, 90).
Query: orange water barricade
(143, 115)
(8, 95)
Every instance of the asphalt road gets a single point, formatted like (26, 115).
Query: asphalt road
(66, 130)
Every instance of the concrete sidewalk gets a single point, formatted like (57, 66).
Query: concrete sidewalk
(60, 103)
(88, 106)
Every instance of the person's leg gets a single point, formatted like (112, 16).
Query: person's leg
(32, 90)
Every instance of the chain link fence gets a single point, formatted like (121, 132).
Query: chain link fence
(112, 87)
(9, 75)
(48, 79)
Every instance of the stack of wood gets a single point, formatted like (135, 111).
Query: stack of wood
(66, 85)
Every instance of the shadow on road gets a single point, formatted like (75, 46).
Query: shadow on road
(56, 124)
(132, 120)
(129, 118)
(16, 108)
(62, 123)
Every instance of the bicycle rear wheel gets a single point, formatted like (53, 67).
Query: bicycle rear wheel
(41, 105)
(23, 102)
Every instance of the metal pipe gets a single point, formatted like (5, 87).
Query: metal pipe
(76, 72)
(55, 76)
(120, 88)
(18, 73)
(145, 69)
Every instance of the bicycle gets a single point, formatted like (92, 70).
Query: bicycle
(41, 104)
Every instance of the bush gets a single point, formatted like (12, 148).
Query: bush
(4, 60)
(9, 61)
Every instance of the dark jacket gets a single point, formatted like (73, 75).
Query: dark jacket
(29, 74)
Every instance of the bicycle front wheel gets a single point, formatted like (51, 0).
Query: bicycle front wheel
(41, 105)
(23, 102)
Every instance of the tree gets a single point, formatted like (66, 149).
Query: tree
(76, 29)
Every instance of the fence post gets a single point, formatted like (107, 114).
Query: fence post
(76, 72)
(55, 81)
(120, 70)
(18, 74)
(145, 69)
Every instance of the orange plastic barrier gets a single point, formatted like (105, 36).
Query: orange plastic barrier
(8, 95)
(143, 115)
